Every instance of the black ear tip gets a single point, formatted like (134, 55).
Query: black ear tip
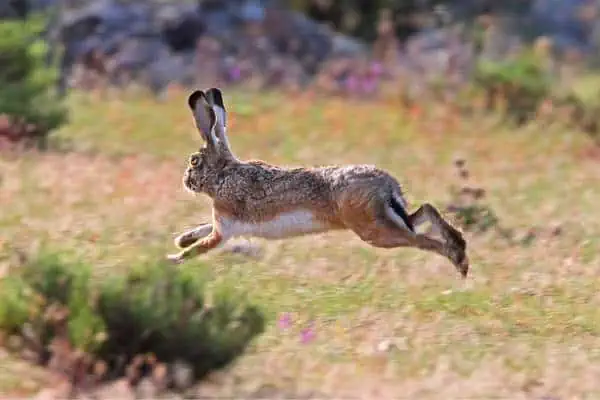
(216, 96)
(194, 97)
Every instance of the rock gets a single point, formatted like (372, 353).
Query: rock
(154, 40)
(146, 389)
(182, 375)
(346, 46)
(135, 55)
(168, 69)
(119, 389)
(55, 393)
(159, 42)
(181, 32)
(14, 9)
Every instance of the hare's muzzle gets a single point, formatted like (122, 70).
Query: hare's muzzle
(188, 180)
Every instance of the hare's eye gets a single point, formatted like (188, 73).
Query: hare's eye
(194, 160)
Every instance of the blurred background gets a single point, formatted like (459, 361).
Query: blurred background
(353, 48)
(489, 110)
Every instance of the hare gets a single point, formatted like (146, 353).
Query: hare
(253, 198)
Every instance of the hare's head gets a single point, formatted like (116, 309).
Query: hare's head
(211, 120)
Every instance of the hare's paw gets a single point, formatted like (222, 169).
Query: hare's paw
(177, 258)
(457, 249)
(461, 262)
(458, 256)
(188, 238)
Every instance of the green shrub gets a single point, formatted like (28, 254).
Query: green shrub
(16, 300)
(522, 82)
(155, 309)
(583, 112)
(28, 98)
(166, 313)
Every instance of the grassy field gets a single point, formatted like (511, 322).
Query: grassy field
(363, 322)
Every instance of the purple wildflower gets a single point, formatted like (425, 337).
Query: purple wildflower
(351, 83)
(235, 73)
(285, 321)
(307, 334)
(368, 85)
(376, 69)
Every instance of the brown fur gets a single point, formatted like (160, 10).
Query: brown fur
(256, 198)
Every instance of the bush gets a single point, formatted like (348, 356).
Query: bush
(29, 106)
(583, 114)
(467, 205)
(522, 83)
(156, 314)
(472, 213)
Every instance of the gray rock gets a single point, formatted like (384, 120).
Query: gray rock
(155, 40)
(14, 9)
(182, 375)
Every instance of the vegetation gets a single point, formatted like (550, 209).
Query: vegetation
(359, 17)
(521, 83)
(330, 316)
(29, 106)
(342, 318)
(107, 328)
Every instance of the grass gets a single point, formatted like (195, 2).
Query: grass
(386, 323)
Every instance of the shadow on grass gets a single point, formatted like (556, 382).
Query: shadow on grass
(154, 315)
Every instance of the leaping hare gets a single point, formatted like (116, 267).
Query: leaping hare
(257, 199)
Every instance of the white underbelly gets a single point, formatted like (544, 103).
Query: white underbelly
(294, 223)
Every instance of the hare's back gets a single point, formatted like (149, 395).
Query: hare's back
(257, 188)
(359, 177)
(362, 187)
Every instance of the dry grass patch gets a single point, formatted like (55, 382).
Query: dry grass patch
(364, 321)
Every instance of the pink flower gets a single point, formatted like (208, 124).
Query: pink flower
(368, 85)
(285, 321)
(307, 334)
(351, 83)
(235, 73)
(376, 69)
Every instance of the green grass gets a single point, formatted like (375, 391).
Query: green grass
(525, 323)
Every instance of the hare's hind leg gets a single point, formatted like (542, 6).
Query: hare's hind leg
(201, 246)
(381, 230)
(390, 237)
(191, 236)
(453, 245)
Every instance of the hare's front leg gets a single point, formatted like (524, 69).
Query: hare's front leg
(188, 238)
(201, 246)
(453, 245)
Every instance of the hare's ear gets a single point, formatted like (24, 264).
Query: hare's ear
(204, 115)
(215, 99)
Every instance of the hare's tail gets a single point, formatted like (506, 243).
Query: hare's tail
(395, 210)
